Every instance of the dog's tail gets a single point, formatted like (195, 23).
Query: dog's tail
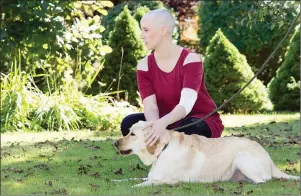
(277, 173)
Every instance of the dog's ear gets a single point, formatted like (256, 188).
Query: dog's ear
(152, 149)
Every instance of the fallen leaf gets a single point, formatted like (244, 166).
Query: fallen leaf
(156, 192)
(94, 186)
(19, 171)
(95, 175)
(59, 192)
(118, 172)
(78, 160)
(293, 184)
(49, 183)
(217, 188)
(42, 166)
(95, 157)
(84, 169)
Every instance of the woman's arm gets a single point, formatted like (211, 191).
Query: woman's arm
(151, 111)
(175, 115)
(188, 94)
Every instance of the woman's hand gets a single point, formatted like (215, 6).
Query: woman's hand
(158, 130)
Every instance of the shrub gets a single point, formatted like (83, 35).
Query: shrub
(284, 88)
(256, 43)
(124, 38)
(25, 108)
(226, 72)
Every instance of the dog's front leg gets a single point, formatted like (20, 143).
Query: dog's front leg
(129, 179)
(146, 183)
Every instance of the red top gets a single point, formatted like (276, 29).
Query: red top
(168, 86)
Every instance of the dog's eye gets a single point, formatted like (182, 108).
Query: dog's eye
(132, 134)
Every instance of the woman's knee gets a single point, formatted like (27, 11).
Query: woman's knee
(128, 121)
(200, 128)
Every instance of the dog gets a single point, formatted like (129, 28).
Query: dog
(178, 157)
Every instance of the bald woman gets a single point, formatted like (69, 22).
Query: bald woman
(171, 84)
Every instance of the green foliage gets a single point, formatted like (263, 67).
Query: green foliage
(108, 20)
(140, 11)
(128, 48)
(255, 35)
(24, 107)
(226, 72)
(284, 88)
(54, 37)
(273, 9)
(56, 114)
(15, 100)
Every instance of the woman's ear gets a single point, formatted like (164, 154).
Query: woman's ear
(164, 30)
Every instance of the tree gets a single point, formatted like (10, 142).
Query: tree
(140, 11)
(284, 88)
(128, 47)
(226, 72)
(255, 34)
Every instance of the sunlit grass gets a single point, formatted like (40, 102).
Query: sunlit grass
(85, 162)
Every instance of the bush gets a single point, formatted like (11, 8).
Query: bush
(125, 37)
(108, 20)
(15, 100)
(284, 88)
(25, 108)
(256, 43)
(226, 72)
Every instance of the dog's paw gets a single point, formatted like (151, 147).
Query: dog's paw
(146, 183)
(117, 180)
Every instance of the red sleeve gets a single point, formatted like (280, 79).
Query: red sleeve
(193, 73)
(144, 84)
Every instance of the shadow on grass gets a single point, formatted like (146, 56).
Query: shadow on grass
(269, 134)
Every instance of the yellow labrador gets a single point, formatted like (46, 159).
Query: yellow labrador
(193, 158)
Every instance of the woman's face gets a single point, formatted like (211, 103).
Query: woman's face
(150, 33)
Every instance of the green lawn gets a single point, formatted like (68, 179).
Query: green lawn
(85, 162)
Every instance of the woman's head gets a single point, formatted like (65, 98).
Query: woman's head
(157, 27)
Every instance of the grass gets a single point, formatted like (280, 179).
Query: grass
(84, 162)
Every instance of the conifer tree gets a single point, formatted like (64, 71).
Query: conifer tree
(125, 37)
(226, 72)
(284, 88)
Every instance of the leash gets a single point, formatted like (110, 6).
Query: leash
(227, 101)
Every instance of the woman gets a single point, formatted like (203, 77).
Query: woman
(171, 84)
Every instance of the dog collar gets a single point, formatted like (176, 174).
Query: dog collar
(163, 149)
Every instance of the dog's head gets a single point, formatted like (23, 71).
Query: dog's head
(134, 143)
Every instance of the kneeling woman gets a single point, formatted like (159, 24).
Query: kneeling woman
(171, 84)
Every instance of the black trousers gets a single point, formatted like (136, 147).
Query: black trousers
(199, 128)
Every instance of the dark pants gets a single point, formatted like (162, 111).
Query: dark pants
(199, 128)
